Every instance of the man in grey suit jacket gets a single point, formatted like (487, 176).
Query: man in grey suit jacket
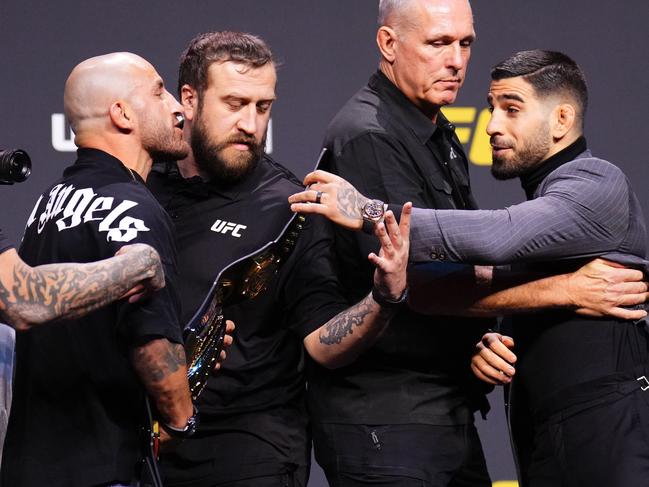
(579, 410)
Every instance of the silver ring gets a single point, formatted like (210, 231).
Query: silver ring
(318, 197)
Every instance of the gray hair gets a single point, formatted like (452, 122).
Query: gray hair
(387, 7)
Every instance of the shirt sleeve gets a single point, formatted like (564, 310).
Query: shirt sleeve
(158, 315)
(4, 243)
(583, 211)
(311, 292)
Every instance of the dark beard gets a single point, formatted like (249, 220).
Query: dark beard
(209, 157)
(522, 163)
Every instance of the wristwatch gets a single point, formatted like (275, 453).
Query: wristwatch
(189, 429)
(372, 212)
(389, 303)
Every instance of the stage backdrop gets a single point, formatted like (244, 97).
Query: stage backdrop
(327, 51)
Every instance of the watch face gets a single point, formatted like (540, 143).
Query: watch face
(373, 210)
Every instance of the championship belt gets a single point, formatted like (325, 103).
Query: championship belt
(244, 279)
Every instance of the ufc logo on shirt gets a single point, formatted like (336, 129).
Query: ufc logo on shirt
(221, 226)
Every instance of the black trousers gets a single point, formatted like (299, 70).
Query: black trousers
(401, 455)
(604, 443)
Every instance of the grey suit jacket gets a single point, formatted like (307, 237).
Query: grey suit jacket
(583, 208)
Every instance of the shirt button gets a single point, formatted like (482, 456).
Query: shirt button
(433, 255)
(442, 256)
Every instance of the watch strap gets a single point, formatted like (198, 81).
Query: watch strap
(387, 302)
(189, 429)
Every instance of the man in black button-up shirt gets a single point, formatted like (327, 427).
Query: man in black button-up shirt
(392, 142)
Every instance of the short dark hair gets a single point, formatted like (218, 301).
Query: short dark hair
(220, 47)
(549, 72)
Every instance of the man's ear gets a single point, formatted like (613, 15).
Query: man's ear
(564, 118)
(386, 39)
(189, 101)
(122, 116)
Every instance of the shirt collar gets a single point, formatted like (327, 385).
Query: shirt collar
(532, 179)
(87, 155)
(197, 187)
(405, 110)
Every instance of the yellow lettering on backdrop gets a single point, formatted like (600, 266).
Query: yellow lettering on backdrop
(474, 138)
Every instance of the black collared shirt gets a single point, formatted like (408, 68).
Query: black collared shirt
(78, 404)
(260, 388)
(419, 371)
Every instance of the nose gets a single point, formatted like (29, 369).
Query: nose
(494, 127)
(176, 108)
(247, 121)
(455, 56)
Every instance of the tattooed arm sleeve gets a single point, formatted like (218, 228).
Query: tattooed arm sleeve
(34, 295)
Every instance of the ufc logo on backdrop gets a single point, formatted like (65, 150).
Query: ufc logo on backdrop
(63, 136)
(221, 226)
(69, 207)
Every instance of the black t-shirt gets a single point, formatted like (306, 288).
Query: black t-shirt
(5, 244)
(419, 370)
(262, 379)
(77, 403)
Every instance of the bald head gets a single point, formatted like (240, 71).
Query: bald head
(94, 84)
(425, 49)
(403, 14)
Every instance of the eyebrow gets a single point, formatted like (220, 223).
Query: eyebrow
(247, 99)
(506, 96)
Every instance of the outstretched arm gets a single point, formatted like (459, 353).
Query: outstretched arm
(520, 232)
(343, 338)
(599, 288)
(35, 295)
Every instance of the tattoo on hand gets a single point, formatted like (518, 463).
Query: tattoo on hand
(350, 202)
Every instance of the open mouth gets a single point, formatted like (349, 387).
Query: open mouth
(180, 121)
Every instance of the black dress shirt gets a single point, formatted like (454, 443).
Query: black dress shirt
(419, 371)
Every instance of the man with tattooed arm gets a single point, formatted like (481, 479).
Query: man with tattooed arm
(36, 295)
(80, 383)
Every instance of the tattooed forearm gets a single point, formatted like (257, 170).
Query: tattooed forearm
(342, 325)
(44, 293)
(161, 367)
(158, 359)
(350, 201)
